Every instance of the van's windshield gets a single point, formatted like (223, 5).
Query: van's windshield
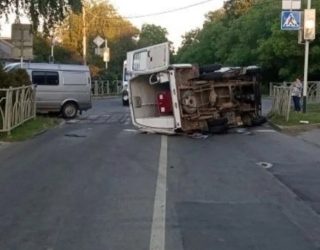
(9, 67)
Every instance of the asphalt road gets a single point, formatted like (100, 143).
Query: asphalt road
(97, 184)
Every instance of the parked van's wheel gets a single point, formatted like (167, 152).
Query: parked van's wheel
(69, 110)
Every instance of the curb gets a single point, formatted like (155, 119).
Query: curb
(3, 143)
(304, 127)
(46, 130)
(275, 126)
(63, 122)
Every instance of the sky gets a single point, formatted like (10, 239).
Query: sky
(177, 23)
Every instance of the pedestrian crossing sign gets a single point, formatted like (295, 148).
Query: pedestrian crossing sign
(290, 20)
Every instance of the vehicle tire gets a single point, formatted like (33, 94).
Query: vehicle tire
(217, 122)
(125, 103)
(209, 68)
(211, 76)
(259, 121)
(69, 110)
(254, 71)
(219, 129)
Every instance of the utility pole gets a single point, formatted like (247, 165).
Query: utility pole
(309, 35)
(84, 39)
(51, 58)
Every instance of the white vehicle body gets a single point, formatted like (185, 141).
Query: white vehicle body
(168, 98)
(144, 64)
(62, 88)
(125, 75)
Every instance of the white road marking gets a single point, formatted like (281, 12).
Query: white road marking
(131, 130)
(157, 241)
(264, 131)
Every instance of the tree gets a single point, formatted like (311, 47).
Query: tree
(235, 8)
(152, 34)
(215, 16)
(250, 34)
(42, 51)
(49, 12)
(103, 20)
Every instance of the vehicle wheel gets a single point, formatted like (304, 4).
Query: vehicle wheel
(69, 110)
(211, 76)
(219, 129)
(259, 121)
(217, 122)
(254, 71)
(209, 68)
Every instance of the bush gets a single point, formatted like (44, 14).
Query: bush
(15, 78)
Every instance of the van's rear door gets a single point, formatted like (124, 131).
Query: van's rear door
(149, 59)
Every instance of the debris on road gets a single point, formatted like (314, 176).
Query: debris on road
(198, 136)
(243, 131)
(74, 135)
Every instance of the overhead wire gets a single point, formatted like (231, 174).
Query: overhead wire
(169, 11)
(119, 26)
(185, 7)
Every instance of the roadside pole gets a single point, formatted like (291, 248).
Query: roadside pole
(309, 35)
(291, 20)
(84, 34)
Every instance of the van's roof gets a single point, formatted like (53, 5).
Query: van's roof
(73, 67)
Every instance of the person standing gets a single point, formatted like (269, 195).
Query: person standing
(296, 94)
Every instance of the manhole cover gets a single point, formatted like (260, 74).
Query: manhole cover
(265, 164)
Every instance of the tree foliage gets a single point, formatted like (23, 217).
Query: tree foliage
(235, 8)
(42, 51)
(102, 20)
(246, 33)
(152, 34)
(50, 12)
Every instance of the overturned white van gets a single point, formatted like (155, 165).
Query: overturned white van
(175, 98)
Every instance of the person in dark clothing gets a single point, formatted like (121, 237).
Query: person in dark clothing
(296, 94)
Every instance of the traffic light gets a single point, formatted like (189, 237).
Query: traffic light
(309, 24)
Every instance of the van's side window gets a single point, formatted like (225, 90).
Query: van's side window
(45, 78)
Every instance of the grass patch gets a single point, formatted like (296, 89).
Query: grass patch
(29, 129)
(312, 116)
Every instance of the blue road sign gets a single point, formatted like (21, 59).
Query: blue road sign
(290, 20)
